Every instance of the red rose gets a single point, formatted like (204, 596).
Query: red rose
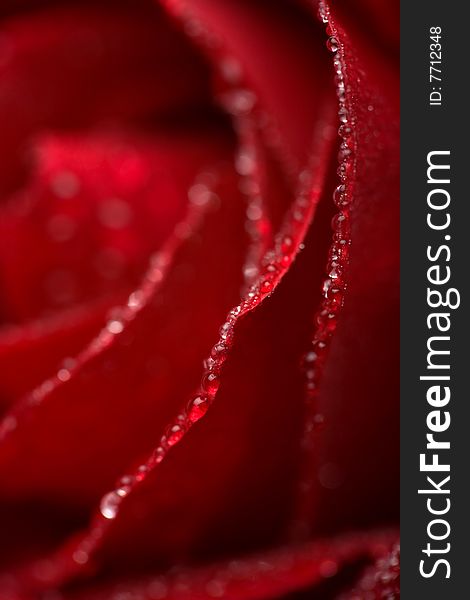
(199, 276)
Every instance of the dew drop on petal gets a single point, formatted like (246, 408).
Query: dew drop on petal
(245, 163)
(198, 408)
(80, 557)
(343, 114)
(210, 383)
(135, 300)
(63, 375)
(323, 12)
(266, 286)
(240, 101)
(174, 434)
(219, 351)
(332, 44)
(345, 131)
(110, 504)
(287, 244)
(226, 330)
(115, 326)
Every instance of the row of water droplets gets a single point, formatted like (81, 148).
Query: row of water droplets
(273, 266)
(334, 285)
(202, 198)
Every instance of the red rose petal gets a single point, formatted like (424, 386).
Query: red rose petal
(147, 371)
(359, 389)
(214, 489)
(43, 345)
(75, 65)
(94, 210)
(271, 574)
(245, 441)
(282, 55)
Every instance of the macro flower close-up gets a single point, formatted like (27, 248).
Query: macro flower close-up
(199, 300)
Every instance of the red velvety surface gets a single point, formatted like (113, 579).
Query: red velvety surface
(109, 117)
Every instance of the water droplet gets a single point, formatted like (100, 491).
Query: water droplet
(335, 273)
(341, 197)
(287, 244)
(245, 163)
(266, 286)
(126, 481)
(115, 326)
(286, 260)
(219, 351)
(332, 44)
(63, 375)
(254, 212)
(345, 169)
(198, 408)
(323, 12)
(310, 357)
(141, 472)
(174, 434)
(226, 331)
(240, 101)
(80, 557)
(135, 299)
(210, 383)
(160, 452)
(343, 114)
(209, 363)
(110, 503)
(345, 131)
(344, 152)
